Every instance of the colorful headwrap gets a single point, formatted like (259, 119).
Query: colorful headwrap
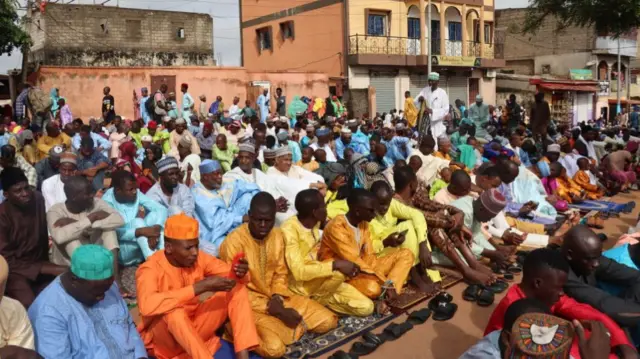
(493, 201)
(537, 335)
(92, 262)
(181, 227)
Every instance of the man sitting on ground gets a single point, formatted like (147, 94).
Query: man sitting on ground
(398, 225)
(545, 274)
(348, 237)
(175, 323)
(24, 239)
(16, 334)
(583, 250)
(53, 187)
(141, 234)
(49, 166)
(281, 317)
(92, 163)
(9, 158)
(324, 281)
(169, 192)
(81, 313)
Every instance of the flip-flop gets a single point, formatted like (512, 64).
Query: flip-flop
(485, 298)
(514, 268)
(373, 339)
(395, 330)
(509, 277)
(498, 286)
(444, 312)
(340, 354)
(471, 293)
(419, 316)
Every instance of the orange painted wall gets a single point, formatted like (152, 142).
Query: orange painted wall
(317, 45)
(82, 87)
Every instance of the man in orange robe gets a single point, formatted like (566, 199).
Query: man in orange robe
(347, 237)
(588, 181)
(175, 324)
(281, 317)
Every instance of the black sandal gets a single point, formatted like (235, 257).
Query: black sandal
(373, 339)
(471, 293)
(498, 286)
(514, 268)
(444, 312)
(340, 354)
(509, 277)
(485, 298)
(419, 316)
(359, 349)
(395, 330)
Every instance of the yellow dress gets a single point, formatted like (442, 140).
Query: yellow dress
(410, 112)
(567, 187)
(310, 277)
(593, 191)
(335, 207)
(269, 276)
(413, 222)
(341, 240)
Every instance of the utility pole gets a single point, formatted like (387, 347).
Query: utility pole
(429, 44)
(619, 77)
(25, 48)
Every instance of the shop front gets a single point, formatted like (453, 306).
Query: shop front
(570, 102)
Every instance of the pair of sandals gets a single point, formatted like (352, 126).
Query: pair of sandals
(442, 307)
(392, 332)
(484, 295)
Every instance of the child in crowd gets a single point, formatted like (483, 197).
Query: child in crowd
(307, 162)
(587, 180)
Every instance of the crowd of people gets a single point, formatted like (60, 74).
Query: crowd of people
(247, 228)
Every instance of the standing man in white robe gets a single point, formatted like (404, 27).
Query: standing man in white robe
(437, 105)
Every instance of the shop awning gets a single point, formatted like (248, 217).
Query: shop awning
(567, 87)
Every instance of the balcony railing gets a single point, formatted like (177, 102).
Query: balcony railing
(383, 45)
(395, 45)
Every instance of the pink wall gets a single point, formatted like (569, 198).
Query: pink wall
(82, 86)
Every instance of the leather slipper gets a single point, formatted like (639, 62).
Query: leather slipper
(485, 298)
(471, 293)
(499, 286)
(445, 312)
(419, 316)
(341, 355)
(395, 330)
(373, 339)
(362, 348)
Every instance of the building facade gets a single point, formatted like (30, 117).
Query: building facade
(575, 67)
(377, 47)
(96, 36)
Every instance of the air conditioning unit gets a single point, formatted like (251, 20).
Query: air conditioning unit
(491, 74)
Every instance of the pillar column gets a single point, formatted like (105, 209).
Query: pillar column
(423, 29)
(465, 35)
(481, 32)
(443, 29)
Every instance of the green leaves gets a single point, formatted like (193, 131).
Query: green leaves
(11, 33)
(607, 17)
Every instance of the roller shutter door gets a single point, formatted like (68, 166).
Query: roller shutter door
(385, 86)
(458, 89)
(418, 82)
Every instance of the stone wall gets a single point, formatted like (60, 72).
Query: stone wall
(88, 35)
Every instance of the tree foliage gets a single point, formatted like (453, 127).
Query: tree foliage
(612, 17)
(11, 33)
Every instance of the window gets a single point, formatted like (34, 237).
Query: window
(134, 28)
(264, 39)
(286, 29)
(476, 31)
(455, 31)
(488, 33)
(413, 28)
(178, 31)
(103, 28)
(377, 23)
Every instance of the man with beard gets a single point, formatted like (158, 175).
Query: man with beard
(141, 234)
(24, 239)
(220, 209)
(174, 322)
(178, 134)
(53, 187)
(169, 192)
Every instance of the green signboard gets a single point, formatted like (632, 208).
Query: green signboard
(581, 74)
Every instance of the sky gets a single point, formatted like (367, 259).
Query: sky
(226, 29)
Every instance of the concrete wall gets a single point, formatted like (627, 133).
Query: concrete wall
(546, 41)
(82, 87)
(316, 46)
(90, 35)
(561, 64)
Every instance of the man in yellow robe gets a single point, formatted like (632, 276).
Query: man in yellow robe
(587, 180)
(411, 233)
(410, 110)
(52, 138)
(281, 317)
(323, 281)
(347, 237)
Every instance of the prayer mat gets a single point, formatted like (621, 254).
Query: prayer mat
(350, 328)
(128, 278)
(599, 206)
